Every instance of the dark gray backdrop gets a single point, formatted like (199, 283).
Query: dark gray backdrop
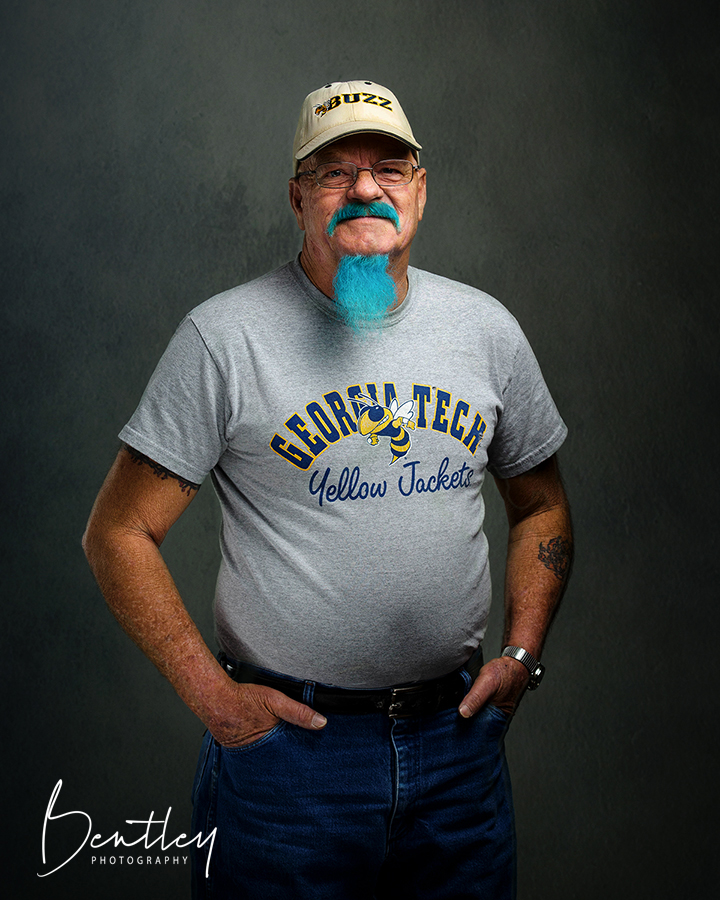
(571, 148)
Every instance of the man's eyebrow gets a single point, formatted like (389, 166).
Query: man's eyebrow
(186, 487)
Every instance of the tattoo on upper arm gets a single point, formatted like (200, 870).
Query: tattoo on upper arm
(556, 556)
(186, 487)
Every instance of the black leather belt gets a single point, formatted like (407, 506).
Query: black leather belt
(416, 699)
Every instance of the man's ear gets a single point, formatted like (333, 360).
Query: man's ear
(422, 192)
(296, 202)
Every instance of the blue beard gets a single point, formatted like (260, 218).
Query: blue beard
(363, 291)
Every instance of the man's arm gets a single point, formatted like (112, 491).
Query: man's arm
(136, 506)
(540, 548)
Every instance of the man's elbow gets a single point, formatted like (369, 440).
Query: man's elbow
(103, 539)
(95, 541)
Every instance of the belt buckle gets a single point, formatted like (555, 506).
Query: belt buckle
(412, 700)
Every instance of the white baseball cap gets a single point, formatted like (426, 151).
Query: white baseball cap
(349, 107)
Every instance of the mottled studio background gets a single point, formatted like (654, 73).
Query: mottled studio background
(572, 156)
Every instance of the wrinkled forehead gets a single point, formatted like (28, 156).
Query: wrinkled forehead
(365, 146)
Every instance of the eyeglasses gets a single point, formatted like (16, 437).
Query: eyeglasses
(342, 175)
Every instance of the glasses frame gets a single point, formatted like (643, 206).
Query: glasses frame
(358, 170)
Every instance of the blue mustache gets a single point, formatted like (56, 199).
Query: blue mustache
(358, 210)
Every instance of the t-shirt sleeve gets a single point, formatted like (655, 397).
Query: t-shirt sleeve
(180, 420)
(529, 427)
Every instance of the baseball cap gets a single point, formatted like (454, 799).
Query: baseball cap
(349, 107)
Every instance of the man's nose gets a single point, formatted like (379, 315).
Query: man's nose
(365, 189)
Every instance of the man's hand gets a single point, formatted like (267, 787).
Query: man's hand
(255, 710)
(501, 683)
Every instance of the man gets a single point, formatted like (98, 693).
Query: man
(347, 407)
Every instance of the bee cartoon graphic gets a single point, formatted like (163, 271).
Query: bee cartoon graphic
(381, 421)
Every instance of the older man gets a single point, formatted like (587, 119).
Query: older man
(347, 407)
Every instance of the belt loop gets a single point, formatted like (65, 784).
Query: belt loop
(308, 693)
(472, 667)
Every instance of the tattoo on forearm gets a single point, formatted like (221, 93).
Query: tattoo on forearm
(186, 487)
(556, 556)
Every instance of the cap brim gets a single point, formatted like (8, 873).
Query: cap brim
(347, 128)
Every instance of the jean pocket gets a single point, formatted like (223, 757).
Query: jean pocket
(497, 721)
(499, 713)
(267, 738)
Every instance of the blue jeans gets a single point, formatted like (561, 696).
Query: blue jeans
(368, 808)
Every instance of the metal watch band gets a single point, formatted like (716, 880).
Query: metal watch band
(535, 668)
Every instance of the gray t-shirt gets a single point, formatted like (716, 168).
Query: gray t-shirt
(349, 471)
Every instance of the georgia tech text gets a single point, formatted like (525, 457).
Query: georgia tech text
(336, 417)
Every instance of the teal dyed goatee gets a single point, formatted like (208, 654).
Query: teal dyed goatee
(363, 291)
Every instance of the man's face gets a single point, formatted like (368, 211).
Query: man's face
(315, 206)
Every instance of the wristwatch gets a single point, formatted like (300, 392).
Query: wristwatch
(536, 669)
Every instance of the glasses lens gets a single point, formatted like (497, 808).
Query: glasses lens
(393, 172)
(336, 175)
